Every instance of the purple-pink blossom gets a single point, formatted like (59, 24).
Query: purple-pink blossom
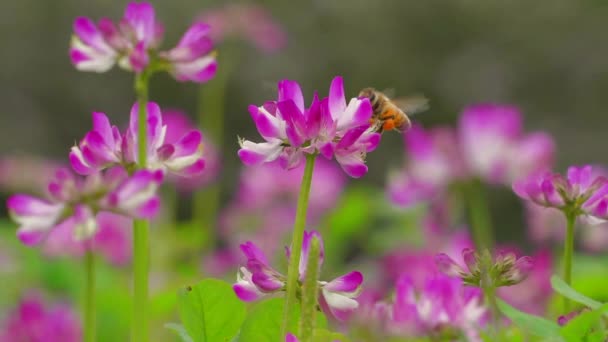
(489, 144)
(441, 304)
(34, 320)
(264, 206)
(495, 147)
(581, 192)
(133, 44)
(178, 125)
(74, 202)
(329, 127)
(257, 279)
(112, 240)
(504, 269)
(105, 146)
(249, 22)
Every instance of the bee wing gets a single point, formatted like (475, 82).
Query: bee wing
(412, 104)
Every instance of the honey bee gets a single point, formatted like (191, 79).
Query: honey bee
(393, 114)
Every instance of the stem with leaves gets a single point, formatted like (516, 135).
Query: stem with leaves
(296, 242)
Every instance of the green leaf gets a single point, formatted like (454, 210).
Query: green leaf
(565, 290)
(534, 325)
(582, 325)
(264, 322)
(210, 311)
(322, 335)
(180, 331)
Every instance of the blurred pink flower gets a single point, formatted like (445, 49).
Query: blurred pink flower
(546, 226)
(495, 147)
(434, 161)
(74, 203)
(329, 127)
(133, 44)
(264, 207)
(533, 294)
(178, 125)
(246, 21)
(112, 239)
(441, 305)
(36, 321)
(489, 144)
(25, 173)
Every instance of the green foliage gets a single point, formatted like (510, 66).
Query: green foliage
(180, 331)
(322, 335)
(586, 327)
(562, 288)
(264, 321)
(210, 311)
(534, 325)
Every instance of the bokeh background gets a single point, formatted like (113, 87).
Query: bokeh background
(547, 57)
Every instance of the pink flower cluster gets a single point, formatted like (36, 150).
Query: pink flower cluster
(329, 127)
(264, 207)
(133, 44)
(75, 203)
(36, 321)
(105, 146)
(583, 192)
(258, 279)
(489, 144)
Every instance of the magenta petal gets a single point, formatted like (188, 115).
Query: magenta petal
(355, 170)
(266, 282)
(337, 102)
(148, 209)
(86, 30)
(194, 169)
(30, 237)
(250, 158)
(142, 19)
(447, 265)
(350, 282)
(165, 152)
(306, 241)
(265, 126)
(189, 143)
(291, 338)
(290, 90)
(296, 125)
(139, 58)
(78, 164)
(351, 136)
(245, 293)
(253, 252)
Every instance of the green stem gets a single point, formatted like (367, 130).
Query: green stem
(296, 242)
(141, 248)
(479, 215)
(568, 253)
(309, 292)
(89, 302)
(490, 294)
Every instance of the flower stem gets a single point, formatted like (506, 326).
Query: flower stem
(141, 248)
(89, 301)
(490, 294)
(568, 252)
(479, 216)
(296, 242)
(309, 292)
